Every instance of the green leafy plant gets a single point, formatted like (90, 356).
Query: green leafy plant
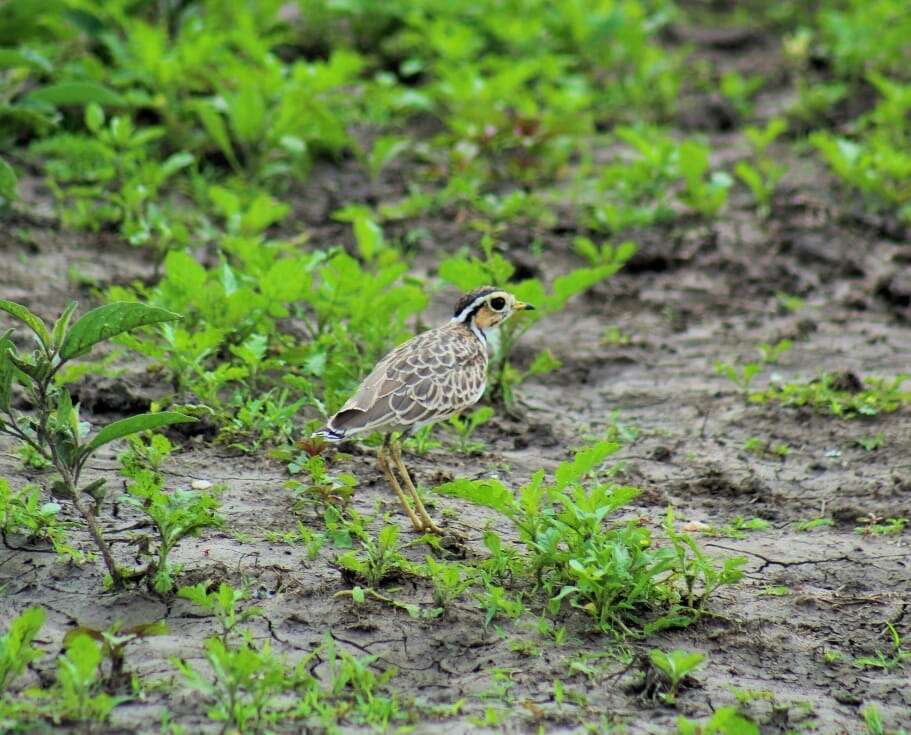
(741, 90)
(762, 174)
(53, 428)
(872, 443)
(496, 602)
(249, 685)
(77, 694)
(895, 658)
(230, 353)
(643, 186)
(245, 679)
(16, 649)
(883, 526)
(875, 162)
(421, 441)
(174, 515)
(111, 175)
(312, 540)
(724, 721)
(8, 185)
(740, 375)
(616, 573)
(844, 396)
(320, 484)
(450, 580)
(223, 604)
(114, 641)
(873, 722)
(378, 557)
(23, 512)
(464, 427)
(245, 683)
(676, 665)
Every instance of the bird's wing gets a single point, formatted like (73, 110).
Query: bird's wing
(433, 375)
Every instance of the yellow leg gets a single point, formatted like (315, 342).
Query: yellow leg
(394, 484)
(429, 525)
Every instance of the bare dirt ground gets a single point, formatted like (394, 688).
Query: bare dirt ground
(694, 293)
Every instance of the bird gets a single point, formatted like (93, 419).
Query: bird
(431, 377)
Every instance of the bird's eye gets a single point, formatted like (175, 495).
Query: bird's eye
(498, 303)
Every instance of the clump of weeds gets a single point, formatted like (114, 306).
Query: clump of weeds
(52, 427)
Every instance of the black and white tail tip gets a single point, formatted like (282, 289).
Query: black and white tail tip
(330, 434)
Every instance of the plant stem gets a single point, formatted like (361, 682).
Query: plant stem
(102, 545)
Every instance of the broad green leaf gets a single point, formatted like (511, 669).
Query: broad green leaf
(94, 117)
(61, 325)
(463, 274)
(584, 462)
(218, 131)
(197, 594)
(489, 493)
(133, 425)
(544, 362)
(77, 93)
(176, 161)
(288, 279)
(248, 111)
(16, 650)
(23, 57)
(107, 321)
(184, 274)
(7, 370)
(84, 655)
(8, 182)
(32, 321)
(25, 119)
(384, 150)
(369, 237)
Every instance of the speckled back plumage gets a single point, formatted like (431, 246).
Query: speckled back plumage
(430, 377)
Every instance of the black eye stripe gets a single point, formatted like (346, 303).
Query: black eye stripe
(497, 303)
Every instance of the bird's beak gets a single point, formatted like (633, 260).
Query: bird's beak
(522, 306)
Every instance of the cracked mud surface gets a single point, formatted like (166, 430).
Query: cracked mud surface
(694, 294)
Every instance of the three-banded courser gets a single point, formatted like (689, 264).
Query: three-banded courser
(430, 377)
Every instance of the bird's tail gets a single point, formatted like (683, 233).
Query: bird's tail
(330, 434)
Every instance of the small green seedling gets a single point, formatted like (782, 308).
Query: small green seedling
(762, 174)
(77, 694)
(53, 428)
(812, 523)
(245, 682)
(883, 526)
(322, 486)
(872, 443)
(676, 665)
(174, 515)
(496, 602)
(420, 442)
(769, 354)
(16, 649)
(725, 721)
(23, 512)
(378, 557)
(222, 603)
(897, 657)
(740, 375)
(449, 580)
(464, 427)
(114, 641)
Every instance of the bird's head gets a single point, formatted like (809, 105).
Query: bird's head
(487, 307)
